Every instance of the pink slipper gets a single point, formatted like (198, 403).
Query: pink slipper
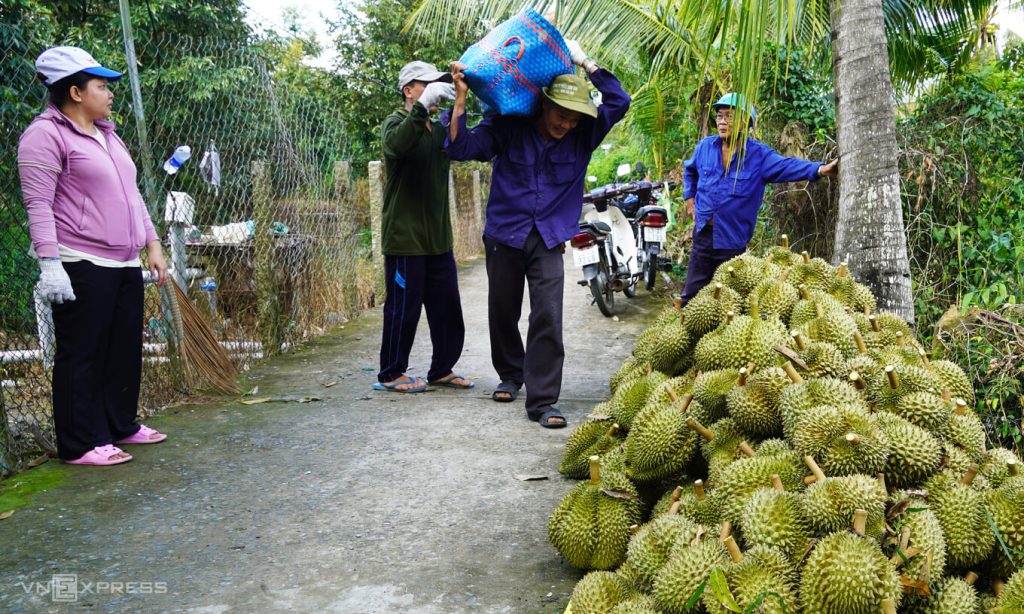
(143, 435)
(101, 455)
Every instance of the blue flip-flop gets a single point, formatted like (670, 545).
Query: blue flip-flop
(394, 386)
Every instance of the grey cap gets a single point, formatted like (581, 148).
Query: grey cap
(421, 71)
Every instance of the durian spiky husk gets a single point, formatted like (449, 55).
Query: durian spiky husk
(848, 574)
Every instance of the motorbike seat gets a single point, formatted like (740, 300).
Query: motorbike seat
(649, 209)
(599, 227)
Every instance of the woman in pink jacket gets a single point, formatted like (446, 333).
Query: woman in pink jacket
(88, 223)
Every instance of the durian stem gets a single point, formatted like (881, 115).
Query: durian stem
(806, 257)
(1013, 467)
(791, 372)
(875, 326)
(702, 430)
(777, 482)
(894, 380)
(684, 403)
(997, 587)
(844, 270)
(728, 317)
(881, 482)
(961, 407)
(860, 522)
(947, 394)
(672, 395)
(678, 492)
(718, 292)
(731, 271)
(698, 489)
(819, 310)
(785, 241)
(924, 356)
(674, 509)
(746, 449)
(677, 302)
(888, 606)
(799, 340)
(971, 578)
(734, 550)
(752, 308)
(612, 431)
(784, 275)
(595, 470)
(743, 377)
(900, 341)
(682, 319)
(804, 294)
(650, 369)
(854, 439)
(972, 472)
(634, 529)
(861, 346)
(815, 469)
(809, 479)
(726, 530)
(857, 380)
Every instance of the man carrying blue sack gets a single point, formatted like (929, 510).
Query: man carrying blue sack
(723, 191)
(534, 208)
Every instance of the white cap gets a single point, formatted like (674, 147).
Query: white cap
(58, 62)
(421, 71)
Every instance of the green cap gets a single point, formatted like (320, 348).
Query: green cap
(571, 92)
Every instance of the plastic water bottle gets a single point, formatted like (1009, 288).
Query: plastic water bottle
(179, 157)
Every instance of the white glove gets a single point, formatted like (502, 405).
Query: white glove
(436, 92)
(579, 58)
(54, 283)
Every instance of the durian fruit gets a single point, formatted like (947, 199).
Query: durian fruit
(913, 394)
(965, 429)
(665, 502)
(744, 272)
(998, 464)
(751, 405)
(650, 547)
(640, 604)
(661, 443)
(688, 567)
(775, 297)
(951, 595)
(952, 377)
(956, 462)
(741, 478)
(711, 389)
(845, 440)
(1011, 598)
(600, 591)
(852, 294)
(707, 310)
(751, 339)
(961, 513)
(669, 314)
(590, 526)
(803, 395)
(696, 505)
(774, 518)
(814, 273)
(905, 352)
(1006, 507)
(720, 444)
(590, 438)
(919, 545)
(914, 454)
(834, 327)
(848, 574)
(631, 396)
(829, 504)
(665, 347)
(709, 353)
(781, 255)
(762, 577)
(822, 358)
(881, 330)
(813, 305)
(673, 388)
(630, 368)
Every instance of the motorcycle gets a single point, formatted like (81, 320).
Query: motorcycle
(622, 231)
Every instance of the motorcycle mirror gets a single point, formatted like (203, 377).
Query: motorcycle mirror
(623, 170)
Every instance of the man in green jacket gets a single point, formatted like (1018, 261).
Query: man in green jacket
(416, 235)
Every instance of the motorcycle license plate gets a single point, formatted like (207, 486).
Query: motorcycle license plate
(583, 257)
(652, 235)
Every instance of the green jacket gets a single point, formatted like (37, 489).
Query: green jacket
(415, 219)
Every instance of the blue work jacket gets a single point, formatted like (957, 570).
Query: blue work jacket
(535, 181)
(732, 199)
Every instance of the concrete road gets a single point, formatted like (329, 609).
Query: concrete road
(361, 502)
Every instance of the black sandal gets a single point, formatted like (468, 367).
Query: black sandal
(552, 419)
(509, 388)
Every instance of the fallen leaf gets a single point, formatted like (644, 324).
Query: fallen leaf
(35, 462)
(525, 477)
(307, 399)
(329, 384)
(791, 355)
(255, 401)
(618, 494)
(916, 587)
(6, 514)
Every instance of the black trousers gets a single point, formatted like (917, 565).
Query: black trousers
(539, 366)
(704, 261)
(98, 358)
(414, 283)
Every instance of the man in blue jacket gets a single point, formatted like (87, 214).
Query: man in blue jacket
(534, 208)
(724, 189)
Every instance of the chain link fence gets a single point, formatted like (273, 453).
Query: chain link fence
(280, 251)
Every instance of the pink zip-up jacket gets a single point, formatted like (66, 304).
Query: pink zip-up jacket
(79, 195)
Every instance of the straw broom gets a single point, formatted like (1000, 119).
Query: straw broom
(203, 355)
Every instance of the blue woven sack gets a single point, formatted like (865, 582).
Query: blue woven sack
(509, 66)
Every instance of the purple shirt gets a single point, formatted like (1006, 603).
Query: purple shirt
(537, 182)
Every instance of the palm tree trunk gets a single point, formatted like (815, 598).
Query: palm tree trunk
(869, 231)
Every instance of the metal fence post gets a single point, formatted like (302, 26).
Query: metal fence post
(263, 261)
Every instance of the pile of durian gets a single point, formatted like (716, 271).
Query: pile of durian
(780, 446)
